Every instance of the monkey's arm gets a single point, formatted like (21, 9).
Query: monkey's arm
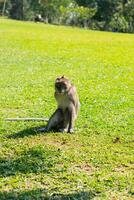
(71, 120)
(26, 119)
(73, 96)
(74, 107)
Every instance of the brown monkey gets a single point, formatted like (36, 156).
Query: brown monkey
(68, 105)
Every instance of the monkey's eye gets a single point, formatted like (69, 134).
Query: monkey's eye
(58, 86)
(64, 86)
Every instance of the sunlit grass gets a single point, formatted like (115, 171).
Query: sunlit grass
(96, 162)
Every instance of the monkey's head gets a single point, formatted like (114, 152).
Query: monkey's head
(62, 84)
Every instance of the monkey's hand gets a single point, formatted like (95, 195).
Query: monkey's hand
(63, 130)
(71, 130)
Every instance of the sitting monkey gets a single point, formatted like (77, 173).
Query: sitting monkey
(68, 105)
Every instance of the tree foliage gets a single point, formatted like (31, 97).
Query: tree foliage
(112, 15)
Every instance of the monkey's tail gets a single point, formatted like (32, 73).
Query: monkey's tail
(27, 119)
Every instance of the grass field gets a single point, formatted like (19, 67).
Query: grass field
(95, 162)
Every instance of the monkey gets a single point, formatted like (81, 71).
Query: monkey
(67, 106)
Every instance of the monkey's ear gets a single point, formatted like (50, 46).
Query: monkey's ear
(57, 79)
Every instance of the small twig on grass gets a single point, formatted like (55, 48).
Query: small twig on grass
(26, 119)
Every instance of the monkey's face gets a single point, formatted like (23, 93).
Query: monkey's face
(62, 85)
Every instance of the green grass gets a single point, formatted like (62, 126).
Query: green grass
(97, 161)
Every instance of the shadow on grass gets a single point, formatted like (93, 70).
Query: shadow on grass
(42, 195)
(27, 132)
(33, 160)
(31, 131)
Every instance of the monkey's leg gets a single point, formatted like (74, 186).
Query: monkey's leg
(65, 121)
(55, 120)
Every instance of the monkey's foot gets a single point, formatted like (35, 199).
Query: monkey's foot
(44, 129)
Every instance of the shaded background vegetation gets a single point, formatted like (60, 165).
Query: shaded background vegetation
(111, 15)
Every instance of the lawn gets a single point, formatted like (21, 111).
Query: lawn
(97, 160)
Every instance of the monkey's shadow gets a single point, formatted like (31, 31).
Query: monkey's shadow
(28, 132)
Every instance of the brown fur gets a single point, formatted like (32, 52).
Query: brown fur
(67, 106)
